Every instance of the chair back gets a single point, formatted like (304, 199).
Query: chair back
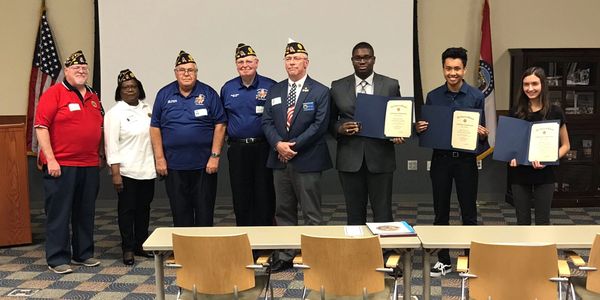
(342, 266)
(593, 278)
(215, 264)
(512, 271)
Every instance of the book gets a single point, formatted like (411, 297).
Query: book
(391, 229)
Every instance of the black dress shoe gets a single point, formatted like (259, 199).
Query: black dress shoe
(128, 258)
(143, 253)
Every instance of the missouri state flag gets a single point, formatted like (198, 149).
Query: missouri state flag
(486, 80)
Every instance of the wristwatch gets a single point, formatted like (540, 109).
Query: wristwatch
(215, 154)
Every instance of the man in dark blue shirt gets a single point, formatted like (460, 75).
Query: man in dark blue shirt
(187, 132)
(251, 181)
(459, 166)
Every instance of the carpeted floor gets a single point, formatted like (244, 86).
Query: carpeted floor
(23, 270)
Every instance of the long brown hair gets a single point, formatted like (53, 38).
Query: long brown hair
(521, 107)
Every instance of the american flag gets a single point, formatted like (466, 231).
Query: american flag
(46, 70)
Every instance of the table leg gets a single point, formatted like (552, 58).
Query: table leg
(426, 276)
(159, 275)
(407, 270)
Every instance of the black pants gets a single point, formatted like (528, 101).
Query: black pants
(363, 186)
(70, 199)
(192, 195)
(460, 167)
(134, 212)
(538, 196)
(251, 184)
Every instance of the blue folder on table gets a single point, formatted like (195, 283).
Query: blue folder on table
(439, 130)
(512, 140)
(370, 112)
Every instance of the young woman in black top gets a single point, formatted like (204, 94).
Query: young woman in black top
(533, 186)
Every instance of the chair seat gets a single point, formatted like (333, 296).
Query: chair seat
(383, 295)
(252, 293)
(581, 291)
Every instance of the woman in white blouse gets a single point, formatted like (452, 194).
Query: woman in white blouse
(129, 155)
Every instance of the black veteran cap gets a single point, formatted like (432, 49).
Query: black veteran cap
(125, 75)
(294, 47)
(76, 58)
(244, 50)
(184, 58)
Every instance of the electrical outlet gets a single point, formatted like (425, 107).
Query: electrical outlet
(428, 165)
(412, 165)
(479, 165)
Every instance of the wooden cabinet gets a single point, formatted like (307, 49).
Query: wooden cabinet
(574, 84)
(15, 222)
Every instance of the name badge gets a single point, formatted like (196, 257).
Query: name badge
(74, 106)
(308, 106)
(275, 101)
(200, 112)
(260, 109)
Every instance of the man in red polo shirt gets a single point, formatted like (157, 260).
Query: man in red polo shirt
(68, 124)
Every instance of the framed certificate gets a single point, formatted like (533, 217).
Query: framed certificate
(449, 128)
(381, 117)
(527, 141)
(464, 129)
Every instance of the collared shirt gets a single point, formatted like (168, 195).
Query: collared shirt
(369, 88)
(127, 140)
(187, 124)
(74, 122)
(244, 106)
(299, 85)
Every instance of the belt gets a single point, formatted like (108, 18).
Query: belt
(453, 154)
(246, 141)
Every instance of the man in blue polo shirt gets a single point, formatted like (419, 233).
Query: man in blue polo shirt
(251, 181)
(187, 132)
(459, 166)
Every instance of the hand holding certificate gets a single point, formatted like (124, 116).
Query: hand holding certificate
(527, 141)
(450, 129)
(383, 118)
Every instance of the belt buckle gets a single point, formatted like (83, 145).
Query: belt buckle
(455, 154)
(249, 140)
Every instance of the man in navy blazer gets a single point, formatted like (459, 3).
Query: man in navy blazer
(365, 165)
(295, 122)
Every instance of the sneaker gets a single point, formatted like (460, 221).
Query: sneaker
(90, 262)
(61, 269)
(440, 269)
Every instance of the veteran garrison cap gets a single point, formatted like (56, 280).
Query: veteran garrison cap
(184, 58)
(294, 47)
(76, 58)
(243, 50)
(125, 75)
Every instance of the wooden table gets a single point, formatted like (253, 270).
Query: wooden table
(271, 237)
(434, 238)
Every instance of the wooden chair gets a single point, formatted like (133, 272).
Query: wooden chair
(217, 265)
(588, 288)
(512, 272)
(346, 267)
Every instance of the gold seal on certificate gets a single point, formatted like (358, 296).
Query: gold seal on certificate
(398, 118)
(543, 142)
(464, 129)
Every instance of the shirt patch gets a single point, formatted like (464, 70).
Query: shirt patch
(171, 101)
(200, 99)
(261, 94)
(234, 95)
(308, 106)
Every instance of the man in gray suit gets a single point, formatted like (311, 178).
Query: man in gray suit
(365, 165)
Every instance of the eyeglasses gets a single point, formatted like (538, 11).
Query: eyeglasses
(361, 58)
(184, 71)
(294, 58)
(82, 69)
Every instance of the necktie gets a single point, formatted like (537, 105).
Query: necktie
(291, 103)
(363, 85)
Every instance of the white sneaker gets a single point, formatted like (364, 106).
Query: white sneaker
(440, 269)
